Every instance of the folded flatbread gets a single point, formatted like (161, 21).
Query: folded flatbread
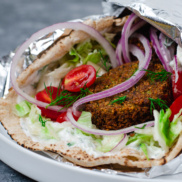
(11, 122)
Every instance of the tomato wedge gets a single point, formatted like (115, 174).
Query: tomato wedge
(80, 77)
(63, 117)
(177, 87)
(175, 107)
(45, 96)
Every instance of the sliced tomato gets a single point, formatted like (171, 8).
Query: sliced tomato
(63, 117)
(177, 87)
(175, 107)
(46, 95)
(79, 77)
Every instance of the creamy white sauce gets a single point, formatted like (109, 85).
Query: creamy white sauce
(65, 132)
(153, 152)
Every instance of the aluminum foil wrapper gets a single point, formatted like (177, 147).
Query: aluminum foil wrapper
(164, 15)
(148, 10)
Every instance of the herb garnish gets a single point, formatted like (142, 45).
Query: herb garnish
(66, 98)
(97, 76)
(161, 103)
(141, 127)
(104, 62)
(162, 76)
(70, 144)
(119, 100)
(42, 121)
(50, 91)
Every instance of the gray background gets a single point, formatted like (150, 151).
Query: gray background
(21, 18)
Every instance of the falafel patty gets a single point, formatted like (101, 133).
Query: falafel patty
(136, 107)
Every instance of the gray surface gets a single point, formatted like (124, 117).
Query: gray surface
(21, 18)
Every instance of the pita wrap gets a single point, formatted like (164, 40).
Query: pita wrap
(126, 157)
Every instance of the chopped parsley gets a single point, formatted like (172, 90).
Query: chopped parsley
(119, 100)
(161, 103)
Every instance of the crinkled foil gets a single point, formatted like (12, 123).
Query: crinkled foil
(166, 19)
(165, 15)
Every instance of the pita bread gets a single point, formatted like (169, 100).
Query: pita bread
(126, 157)
(65, 43)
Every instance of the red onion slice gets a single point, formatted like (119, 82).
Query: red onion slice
(125, 36)
(159, 51)
(165, 50)
(119, 50)
(143, 64)
(176, 68)
(121, 144)
(104, 132)
(69, 25)
(136, 51)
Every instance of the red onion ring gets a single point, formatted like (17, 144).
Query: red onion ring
(168, 52)
(69, 25)
(176, 68)
(143, 64)
(125, 36)
(104, 132)
(135, 27)
(136, 51)
(121, 144)
(159, 51)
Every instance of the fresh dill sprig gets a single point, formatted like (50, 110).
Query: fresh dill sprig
(97, 76)
(66, 98)
(161, 103)
(119, 100)
(141, 127)
(49, 91)
(155, 76)
(42, 121)
(104, 61)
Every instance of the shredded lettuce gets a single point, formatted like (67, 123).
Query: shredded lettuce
(104, 143)
(140, 138)
(34, 114)
(84, 48)
(23, 108)
(166, 132)
(109, 142)
(86, 120)
(74, 53)
(143, 146)
(145, 142)
(86, 51)
(94, 57)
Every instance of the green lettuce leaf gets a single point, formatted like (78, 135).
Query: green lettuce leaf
(143, 146)
(84, 48)
(140, 138)
(94, 57)
(74, 53)
(109, 142)
(23, 108)
(166, 132)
